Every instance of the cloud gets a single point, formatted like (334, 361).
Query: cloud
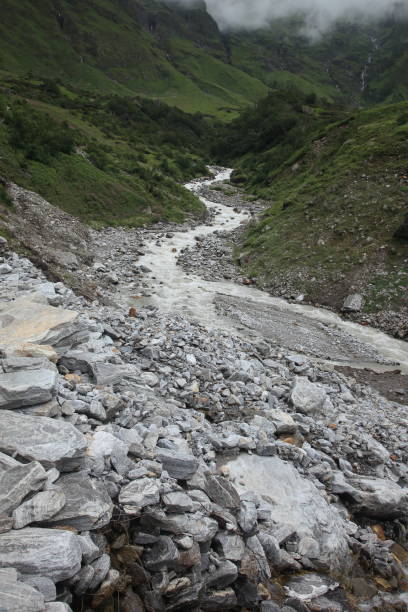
(319, 14)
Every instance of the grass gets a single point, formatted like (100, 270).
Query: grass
(337, 203)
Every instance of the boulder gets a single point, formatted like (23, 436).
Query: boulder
(88, 505)
(27, 388)
(30, 320)
(15, 596)
(378, 498)
(40, 439)
(39, 508)
(139, 493)
(41, 552)
(230, 546)
(163, 554)
(353, 303)
(297, 507)
(178, 465)
(19, 481)
(200, 528)
(307, 397)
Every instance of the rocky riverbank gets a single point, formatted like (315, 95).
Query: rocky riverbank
(222, 257)
(149, 462)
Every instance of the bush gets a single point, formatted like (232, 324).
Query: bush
(38, 135)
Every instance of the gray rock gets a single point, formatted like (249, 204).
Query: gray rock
(17, 482)
(178, 501)
(47, 552)
(163, 554)
(307, 397)
(27, 388)
(254, 563)
(17, 596)
(309, 586)
(101, 567)
(222, 492)
(378, 498)
(230, 546)
(88, 505)
(219, 600)
(353, 303)
(57, 606)
(176, 464)
(297, 507)
(139, 493)
(248, 517)
(44, 585)
(271, 548)
(105, 374)
(200, 528)
(40, 508)
(225, 574)
(40, 439)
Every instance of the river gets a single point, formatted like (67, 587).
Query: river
(316, 332)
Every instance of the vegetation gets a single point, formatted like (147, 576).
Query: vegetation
(338, 183)
(106, 159)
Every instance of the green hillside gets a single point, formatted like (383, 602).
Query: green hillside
(106, 159)
(338, 185)
(126, 47)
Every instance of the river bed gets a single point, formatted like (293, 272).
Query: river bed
(318, 333)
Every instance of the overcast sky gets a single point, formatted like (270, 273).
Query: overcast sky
(251, 14)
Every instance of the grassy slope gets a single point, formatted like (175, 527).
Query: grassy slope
(126, 47)
(124, 168)
(337, 202)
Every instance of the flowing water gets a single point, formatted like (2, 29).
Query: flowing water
(176, 291)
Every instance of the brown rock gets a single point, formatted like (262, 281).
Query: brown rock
(133, 313)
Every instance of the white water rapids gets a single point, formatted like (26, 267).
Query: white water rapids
(177, 291)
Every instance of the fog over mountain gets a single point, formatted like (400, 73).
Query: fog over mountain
(319, 14)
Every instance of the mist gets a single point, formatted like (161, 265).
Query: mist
(319, 15)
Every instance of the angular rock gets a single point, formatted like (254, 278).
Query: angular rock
(254, 564)
(44, 585)
(88, 505)
(230, 546)
(40, 439)
(222, 492)
(140, 493)
(39, 508)
(248, 517)
(200, 528)
(41, 552)
(176, 464)
(378, 498)
(307, 397)
(27, 388)
(16, 596)
(17, 482)
(163, 554)
(105, 374)
(225, 574)
(353, 303)
(177, 501)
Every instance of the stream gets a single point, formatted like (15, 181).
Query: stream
(321, 334)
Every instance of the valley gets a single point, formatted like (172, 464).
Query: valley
(203, 308)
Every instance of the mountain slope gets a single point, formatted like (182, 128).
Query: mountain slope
(338, 185)
(178, 55)
(142, 47)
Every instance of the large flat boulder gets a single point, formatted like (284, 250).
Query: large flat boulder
(41, 552)
(27, 387)
(87, 503)
(30, 320)
(40, 439)
(297, 508)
